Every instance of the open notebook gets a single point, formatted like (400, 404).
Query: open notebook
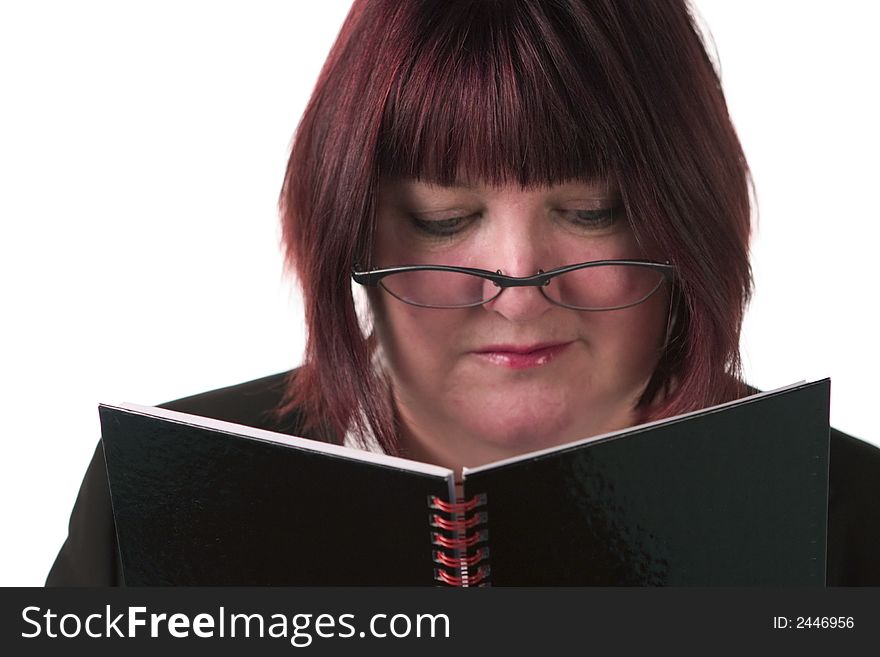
(734, 494)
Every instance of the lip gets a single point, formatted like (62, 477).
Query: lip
(521, 356)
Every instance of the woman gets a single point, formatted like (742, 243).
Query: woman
(492, 143)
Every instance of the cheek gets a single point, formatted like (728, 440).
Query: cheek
(627, 342)
(419, 344)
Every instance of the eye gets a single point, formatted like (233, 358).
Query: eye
(595, 219)
(440, 227)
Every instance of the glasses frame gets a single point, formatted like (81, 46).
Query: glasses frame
(502, 281)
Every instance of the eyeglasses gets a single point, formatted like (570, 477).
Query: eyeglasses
(597, 285)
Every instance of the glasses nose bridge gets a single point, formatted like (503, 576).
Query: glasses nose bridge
(538, 279)
(520, 304)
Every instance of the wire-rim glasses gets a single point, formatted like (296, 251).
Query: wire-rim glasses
(590, 286)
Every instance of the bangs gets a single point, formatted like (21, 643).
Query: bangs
(499, 101)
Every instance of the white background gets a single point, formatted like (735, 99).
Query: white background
(142, 148)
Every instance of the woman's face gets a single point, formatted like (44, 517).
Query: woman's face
(463, 395)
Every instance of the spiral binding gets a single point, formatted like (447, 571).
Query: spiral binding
(460, 549)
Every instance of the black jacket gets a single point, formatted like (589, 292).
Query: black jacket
(89, 556)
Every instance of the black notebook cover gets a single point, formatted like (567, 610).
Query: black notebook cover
(201, 506)
(735, 496)
(731, 495)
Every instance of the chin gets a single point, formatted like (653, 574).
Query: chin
(524, 428)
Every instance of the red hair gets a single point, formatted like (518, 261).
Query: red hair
(528, 92)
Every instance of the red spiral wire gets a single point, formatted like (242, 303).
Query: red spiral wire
(457, 507)
(456, 543)
(453, 562)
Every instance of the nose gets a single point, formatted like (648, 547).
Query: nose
(520, 304)
(522, 253)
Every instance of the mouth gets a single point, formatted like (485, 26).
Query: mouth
(521, 356)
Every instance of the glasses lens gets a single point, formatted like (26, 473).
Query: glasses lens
(604, 287)
(440, 289)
